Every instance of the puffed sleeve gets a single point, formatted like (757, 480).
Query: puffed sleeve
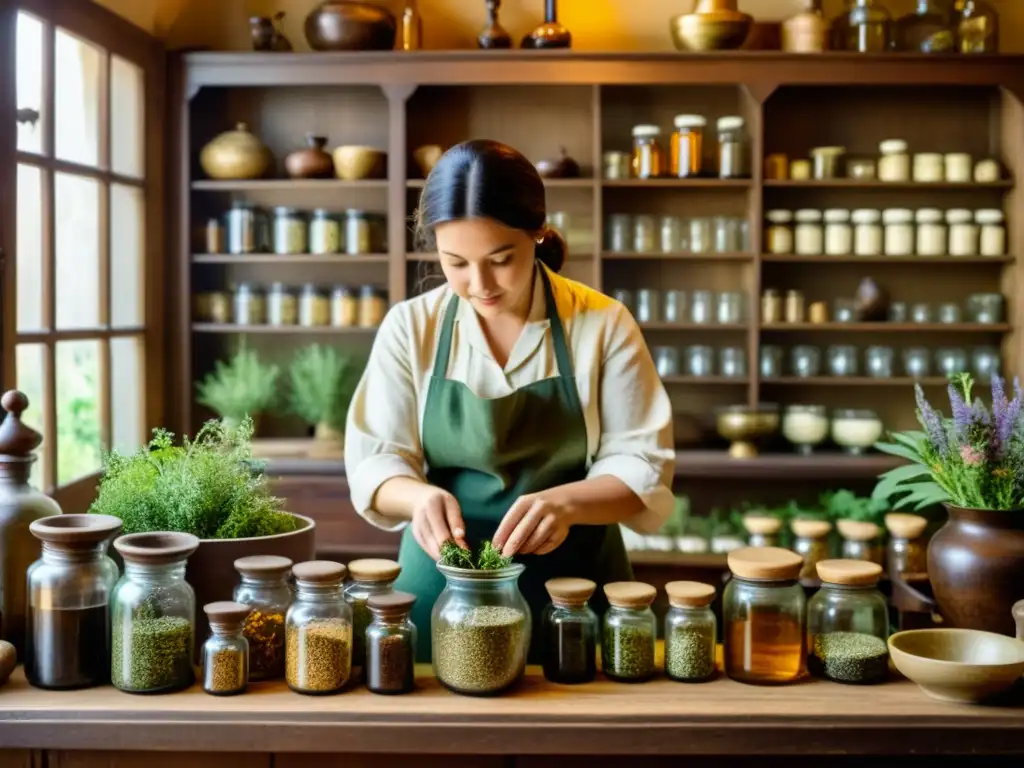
(382, 434)
(637, 437)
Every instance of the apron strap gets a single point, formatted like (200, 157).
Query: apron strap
(444, 344)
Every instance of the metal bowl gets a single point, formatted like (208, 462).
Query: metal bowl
(743, 425)
(716, 31)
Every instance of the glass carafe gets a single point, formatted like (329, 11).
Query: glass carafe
(864, 26)
(925, 30)
(265, 589)
(371, 576)
(318, 630)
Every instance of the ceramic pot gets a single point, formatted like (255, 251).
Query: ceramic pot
(235, 154)
(312, 162)
(346, 25)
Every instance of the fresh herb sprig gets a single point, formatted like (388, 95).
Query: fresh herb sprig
(489, 558)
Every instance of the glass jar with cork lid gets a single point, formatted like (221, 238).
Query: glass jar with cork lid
(391, 644)
(811, 543)
(859, 540)
(762, 530)
(318, 630)
(570, 631)
(691, 632)
(225, 657)
(908, 552)
(370, 576)
(629, 632)
(264, 588)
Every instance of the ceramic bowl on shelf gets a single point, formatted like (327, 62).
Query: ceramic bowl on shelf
(743, 425)
(357, 163)
(426, 157)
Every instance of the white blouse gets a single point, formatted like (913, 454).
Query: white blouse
(626, 409)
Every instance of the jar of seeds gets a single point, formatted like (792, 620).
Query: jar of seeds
(848, 624)
(372, 307)
(629, 632)
(358, 233)
(908, 550)
(290, 232)
(570, 632)
(153, 614)
(282, 306)
(691, 631)
(264, 588)
(250, 305)
(314, 307)
(811, 543)
(480, 627)
(226, 652)
(391, 644)
(369, 577)
(318, 630)
(324, 232)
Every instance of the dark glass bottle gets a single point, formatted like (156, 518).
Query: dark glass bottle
(494, 36)
(570, 632)
(926, 30)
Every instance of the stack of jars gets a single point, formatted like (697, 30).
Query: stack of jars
(700, 307)
(340, 307)
(683, 155)
(247, 229)
(643, 233)
(879, 361)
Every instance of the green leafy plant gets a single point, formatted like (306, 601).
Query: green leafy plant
(675, 523)
(242, 387)
(846, 505)
(207, 486)
(323, 382)
(489, 558)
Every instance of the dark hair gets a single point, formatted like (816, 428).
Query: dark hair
(488, 179)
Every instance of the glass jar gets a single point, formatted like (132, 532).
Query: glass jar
(879, 362)
(826, 162)
(800, 170)
(687, 146)
(289, 231)
(985, 363)
(861, 168)
(894, 163)
(318, 630)
(214, 236)
(949, 313)
(794, 309)
(921, 313)
(358, 233)
(700, 361)
(907, 551)
(647, 159)
(702, 307)
(805, 361)
(993, 232)
(762, 530)
(625, 298)
(838, 232)
(67, 642)
(805, 426)
(324, 232)
(670, 234)
(916, 363)
(691, 632)
(153, 614)
(763, 612)
(848, 624)
(666, 361)
(928, 167)
(987, 171)
(570, 632)
(809, 234)
(951, 361)
(732, 362)
(898, 312)
(779, 232)
(963, 232)
(957, 167)
(344, 307)
(730, 308)
(314, 307)
(776, 167)
(985, 308)
(390, 644)
(732, 148)
(370, 576)
(250, 305)
(727, 234)
(817, 313)
(899, 231)
(977, 27)
(700, 235)
(264, 588)
(648, 306)
(372, 307)
(931, 232)
(616, 165)
(844, 310)
(247, 229)
(925, 30)
(620, 233)
(225, 656)
(629, 632)
(644, 234)
(856, 431)
(282, 305)
(811, 543)
(864, 27)
(770, 361)
(842, 360)
(674, 309)
(480, 626)
(771, 307)
(867, 232)
(220, 307)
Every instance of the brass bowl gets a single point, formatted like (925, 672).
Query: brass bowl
(426, 157)
(355, 163)
(349, 25)
(743, 425)
(716, 31)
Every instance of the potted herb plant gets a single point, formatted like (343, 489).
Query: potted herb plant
(323, 381)
(244, 386)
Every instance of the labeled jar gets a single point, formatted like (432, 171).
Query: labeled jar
(899, 231)
(344, 307)
(779, 233)
(907, 551)
(264, 588)
(687, 146)
(372, 307)
(867, 232)
(763, 612)
(314, 307)
(859, 540)
(289, 231)
(318, 630)
(691, 632)
(848, 624)
(732, 148)
(826, 162)
(805, 426)
(810, 238)
(644, 233)
(894, 163)
(931, 232)
(250, 305)
(282, 305)
(225, 656)
(762, 530)
(771, 307)
(570, 632)
(928, 167)
(391, 644)
(369, 577)
(810, 542)
(620, 233)
(647, 158)
(963, 232)
(838, 232)
(992, 239)
(324, 232)
(629, 632)
(958, 167)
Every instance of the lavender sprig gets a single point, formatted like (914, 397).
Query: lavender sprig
(932, 423)
(962, 414)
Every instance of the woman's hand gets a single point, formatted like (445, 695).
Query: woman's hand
(436, 518)
(535, 525)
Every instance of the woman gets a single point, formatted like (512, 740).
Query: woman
(509, 404)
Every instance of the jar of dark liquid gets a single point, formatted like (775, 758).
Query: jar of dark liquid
(570, 632)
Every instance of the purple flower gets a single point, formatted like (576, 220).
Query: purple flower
(962, 414)
(932, 423)
(972, 456)
(1004, 415)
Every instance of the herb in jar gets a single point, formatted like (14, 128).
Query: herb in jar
(687, 655)
(152, 654)
(265, 633)
(627, 652)
(391, 659)
(478, 653)
(227, 671)
(849, 657)
(488, 559)
(319, 656)
(361, 618)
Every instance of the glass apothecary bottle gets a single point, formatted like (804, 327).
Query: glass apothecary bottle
(67, 643)
(907, 551)
(391, 644)
(687, 149)
(779, 232)
(318, 630)
(865, 27)
(860, 540)
(153, 614)
(264, 588)
(848, 624)
(763, 612)
(647, 161)
(691, 632)
(762, 530)
(811, 543)
(926, 30)
(733, 148)
(570, 632)
(290, 233)
(976, 25)
(368, 577)
(629, 632)
(225, 657)
(324, 232)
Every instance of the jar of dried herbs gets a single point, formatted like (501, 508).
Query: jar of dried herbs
(390, 644)
(629, 632)
(371, 576)
(811, 543)
(264, 588)
(318, 630)
(570, 632)
(690, 631)
(225, 654)
(908, 551)
(848, 624)
(153, 614)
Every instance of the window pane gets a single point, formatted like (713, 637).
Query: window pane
(77, 210)
(78, 67)
(29, 254)
(127, 129)
(127, 255)
(29, 57)
(78, 409)
(127, 392)
(30, 361)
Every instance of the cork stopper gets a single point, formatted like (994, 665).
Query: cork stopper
(157, 548)
(811, 529)
(765, 563)
(689, 594)
(849, 573)
(263, 566)
(630, 594)
(391, 603)
(75, 531)
(570, 593)
(321, 572)
(374, 569)
(855, 530)
(225, 614)
(17, 440)
(904, 526)
(762, 525)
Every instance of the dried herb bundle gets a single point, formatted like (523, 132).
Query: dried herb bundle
(489, 558)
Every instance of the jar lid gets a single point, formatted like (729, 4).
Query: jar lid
(865, 216)
(811, 529)
(284, 210)
(762, 524)
(808, 216)
(374, 569)
(689, 594)
(319, 572)
(837, 215)
(156, 548)
(857, 530)
(892, 146)
(322, 212)
(905, 526)
(958, 156)
(341, 290)
(630, 594)
(391, 603)
(571, 592)
(765, 563)
(690, 121)
(355, 212)
(928, 216)
(828, 150)
(958, 216)
(75, 531)
(779, 216)
(225, 612)
(263, 566)
(730, 123)
(927, 157)
(646, 131)
(850, 573)
(989, 216)
(897, 216)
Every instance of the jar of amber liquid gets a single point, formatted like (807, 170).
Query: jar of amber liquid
(763, 608)
(908, 553)
(647, 162)
(687, 146)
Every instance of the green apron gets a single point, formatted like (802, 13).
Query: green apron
(488, 453)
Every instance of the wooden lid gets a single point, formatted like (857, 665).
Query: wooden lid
(904, 526)
(570, 591)
(226, 613)
(263, 566)
(689, 594)
(374, 569)
(156, 548)
(855, 530)
(811, 529)
(630, 594)
(75, 531)
(319, 572)
(765, 563)
(17, 439)
(764, 525)
(391, 603)
(851, 573)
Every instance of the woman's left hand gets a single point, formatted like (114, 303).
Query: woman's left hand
(534, 525)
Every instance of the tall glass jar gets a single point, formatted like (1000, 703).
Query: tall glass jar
(620, 233)
(762, 530)
(908, 551)
(733, 149)
(647, 162)
(865, 27)
(68, 640)
(848, 624)
(763, 611)
(250, 305)
(225, 654)
(629, 632)
(282, 306)
(371, 576)
(860, 540)
(687, 150)
(264, 588)
(645, 236)
(153, 614)
(358, 232)
(318, 630)
(691, 632)
(480, 627)
(925, 30)
(811, 543)
(314, 306)
(570, 632)
(391, 644)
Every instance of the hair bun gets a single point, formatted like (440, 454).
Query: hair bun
(551, 249)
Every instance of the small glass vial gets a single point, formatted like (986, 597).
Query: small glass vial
(894, 163)
(647, 160)
(732, 148)
(226, 652)
(289, 231)
(867, 232)
(963, 232)
(629, 632)
(358, 232)
(314, 307)
(324, 232)
(838, 232)
(691, 632)
(644, 234)
(907, 552)
(763, 612)
(687, 146)
(958, 167)
(848, 624)
(779, 232)
(390, 644)
(929, 167)
(250, 305)
(570, 632)
(762, 530)
(859, 539)
(771, 307)
(811, 541)
(992, 239)
(810, 238)
(620, 233)
(931, 232)
(282, 306)
(264, 589)
(370, 576)
(899, 231)
(318, 630)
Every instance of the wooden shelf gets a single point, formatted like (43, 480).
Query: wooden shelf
(580, 183)
(963, 261)
(662, 256)
(888, 327)
(854, 381)
(262, 185)
(677, 183)
(702, 327)
(278, 329)
(876, 184)
(704, 380)
(782, 466)
(302, 258)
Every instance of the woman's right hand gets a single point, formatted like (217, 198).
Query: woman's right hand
(436, 518)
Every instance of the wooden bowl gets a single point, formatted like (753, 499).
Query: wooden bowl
(719, 31)
(426, 157)
(355, 163)
(960, 665)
